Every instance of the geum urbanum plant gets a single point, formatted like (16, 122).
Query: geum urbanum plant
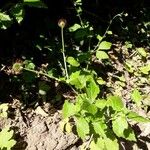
(104, 121)
(101, 121)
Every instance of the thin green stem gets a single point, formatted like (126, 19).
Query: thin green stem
(118, 15)
(50, 77)
(41, 73)
(63, 52)
(78, 14)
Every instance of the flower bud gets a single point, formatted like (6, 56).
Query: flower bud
(62, 23)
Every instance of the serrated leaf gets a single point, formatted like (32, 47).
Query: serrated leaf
(115, 102)
(92, 90)
(73, 62)
(18, 12)
(113, 144)
(136, 97)
(141, 51)
(104, 45)
(78, 80)
(145, 69)
(101, 103)
(82, 127)
(90, 108)
(134, 116)
(102, 55)
(119, 125)
(69, 109)
(100, 128)
(74, 27)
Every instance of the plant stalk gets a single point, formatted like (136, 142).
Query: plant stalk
(63, 52)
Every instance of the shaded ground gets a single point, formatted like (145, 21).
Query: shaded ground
(35, 131)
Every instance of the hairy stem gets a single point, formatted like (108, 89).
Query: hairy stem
(63, 52)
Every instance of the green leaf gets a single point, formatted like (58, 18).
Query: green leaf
(145, 69)
(74, 27)
(102, 55)
(35, 3)
(99, 37)
(84, 57)
(5, 21)
(109, 32)
(82, 127)
(78, 80)
(4, 17)
(129, 134)
(81, 33)
(18, 12)
(115, 102)
(134, 116)
(5, 138)
(69, 109)
(100, 128)
(73, 62)
(104, 45)
(90, 108)
(119, 125)
(128, 44)
(101, 103)
(29, 65)
(92, 90)
(111, 144)
(136, 97)
(98, 144)
(141, 51)
(100, 81)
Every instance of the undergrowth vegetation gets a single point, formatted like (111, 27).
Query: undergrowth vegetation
(91, 65)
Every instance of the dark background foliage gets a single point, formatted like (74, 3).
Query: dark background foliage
(20, 40)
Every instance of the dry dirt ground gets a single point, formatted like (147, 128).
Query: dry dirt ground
(38, 130)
